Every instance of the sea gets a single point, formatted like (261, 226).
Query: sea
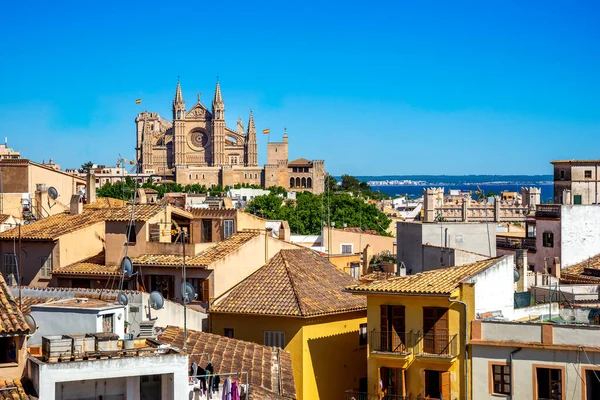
(413, 185)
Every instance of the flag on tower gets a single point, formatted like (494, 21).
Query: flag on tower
(138, 101)
(266, 131)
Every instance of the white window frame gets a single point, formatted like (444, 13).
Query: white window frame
(275, 339)
(228, 228)
(10, 268)
(346, 244)
(355, 270)
(46, 267)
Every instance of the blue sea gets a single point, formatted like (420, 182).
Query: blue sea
(488, 184)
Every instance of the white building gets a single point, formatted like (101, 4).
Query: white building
(150, 371)
(524, 361)
(78, 316)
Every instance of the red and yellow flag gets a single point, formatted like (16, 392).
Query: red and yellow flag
(266, 131)
(138, 101)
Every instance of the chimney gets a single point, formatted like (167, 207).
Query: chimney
(41, 200)
(76, 205)
(556, 268)
(90, 187)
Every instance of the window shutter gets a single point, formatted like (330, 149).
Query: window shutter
(445, 384)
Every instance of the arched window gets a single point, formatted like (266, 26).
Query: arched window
(190, 177)
(309, 182)
(291, 182)
(202, 176)
(255, 176)
(196, 176)
(303, 182)
(245, 176)
(298, 182)
(178, 114)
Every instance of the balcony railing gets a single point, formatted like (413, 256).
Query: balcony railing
(356, 395)
(511, 242)
(437, 345)
(391, 342)
(547, 210)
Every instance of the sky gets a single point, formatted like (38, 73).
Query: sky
(382, 88)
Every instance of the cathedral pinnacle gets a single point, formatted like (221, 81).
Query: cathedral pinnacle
(178, 95)
(251, 127)
(218, 97)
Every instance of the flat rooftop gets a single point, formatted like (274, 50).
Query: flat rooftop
(80, 303)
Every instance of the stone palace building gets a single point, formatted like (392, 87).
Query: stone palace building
(198, 147)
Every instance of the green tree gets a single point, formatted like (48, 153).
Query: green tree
(85, 167)
(350, 184)
(268, 207)
(331, 184)
(277, 190)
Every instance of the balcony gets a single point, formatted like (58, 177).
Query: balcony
(356, 395)
(512, 242)
(437, 346)
(547, 211)
(399, 343)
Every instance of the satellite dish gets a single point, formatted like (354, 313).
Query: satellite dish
(126, 266)
(517, 276)
(31, 323)
(52, 193)
(122, 299)
(188, 291)
(157, 301)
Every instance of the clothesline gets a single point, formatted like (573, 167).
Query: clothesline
(208, 376)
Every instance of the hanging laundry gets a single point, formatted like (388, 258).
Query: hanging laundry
(226, 395)
(235, 391)
(194, 372)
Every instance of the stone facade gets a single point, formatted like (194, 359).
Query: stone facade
(196, 146)
(576, 181)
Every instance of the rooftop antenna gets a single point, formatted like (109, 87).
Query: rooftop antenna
(122, 299)
(31, 323)
(156, 300)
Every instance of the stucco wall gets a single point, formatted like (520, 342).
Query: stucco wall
(494, 288)
(579, 232)
(31, 258)
(435, 257)
(79, 245)
(338, 237)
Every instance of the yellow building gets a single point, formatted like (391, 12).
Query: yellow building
(296, 302)
(417, 332)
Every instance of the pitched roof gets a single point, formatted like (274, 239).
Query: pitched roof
(13, 389)
(441, 281)
(205, 258)
(106, 202)
(268, 368)
(587, 270)
(94, 265)
(33, 301)
(300, 161)
(4, 217)
(295, 283)
(11, 319)
(219, 212)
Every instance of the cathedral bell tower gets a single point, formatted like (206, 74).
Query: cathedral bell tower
(251, 144)
(179, 126)
(218, 122)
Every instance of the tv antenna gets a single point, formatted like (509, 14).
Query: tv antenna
(53, 193)
(122, 299)
(31, 323)
(157, 301)
(127, 266)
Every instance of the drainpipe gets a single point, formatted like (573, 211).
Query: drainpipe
(512, 374)
(466, 345)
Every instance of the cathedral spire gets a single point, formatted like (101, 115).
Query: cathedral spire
(251, 145)
(178, 103)
(218, 105)
(218, 97)
(178, 95)
(251, 127)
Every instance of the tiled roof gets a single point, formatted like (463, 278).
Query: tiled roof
(205, 258)
(441, 281)
(106, 202)
(592, 265)
(142, 212)
(32, 301)
(268, 368)
(358, 229)
(13, 390)
(294, 282)
(94, 265)
(11, 319)
(3, 218)
(300, 161)
(80, 302)
(213, 212)
(575, 161)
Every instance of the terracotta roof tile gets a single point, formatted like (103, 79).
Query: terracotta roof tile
(106, 202)
(11, 319)
(586, 270)
(13, 390)
(213, 212)
(32, 301)
(205, 258)
(94, 265)
(294, 282)
(4, 217)
(266, 366)
(300, 161)
(441, 281)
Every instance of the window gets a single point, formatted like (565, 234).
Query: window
(391, 381)
(392, 325)
(548, 239)
(10, 269)
(548, 383)
(501, 379)
(206, 231)
(107, 323)
(437, 385)
(435, 330)
(228, 332)
(592, 384)
(346, 248)
(8, 350)
(46, 267)
(275, 339)
(227, 228)
(577, 199)
(362, 335)
(355, 270)
(131, 236)
(587, 174)
(562, 174)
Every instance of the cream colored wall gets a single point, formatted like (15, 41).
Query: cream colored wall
(359, 240)
(79, 245)
(11, 204)
(342, 262)
(236, 266)
(249, 221)
(63, 182)
(115, 239)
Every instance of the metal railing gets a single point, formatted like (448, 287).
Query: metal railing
(391, 341)
(357, 395)
(511, 242)
(547, 210)
(437, 345)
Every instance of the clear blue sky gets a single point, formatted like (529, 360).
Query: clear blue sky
(373, 88)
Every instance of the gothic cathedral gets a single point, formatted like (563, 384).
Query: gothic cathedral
(198, 147)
